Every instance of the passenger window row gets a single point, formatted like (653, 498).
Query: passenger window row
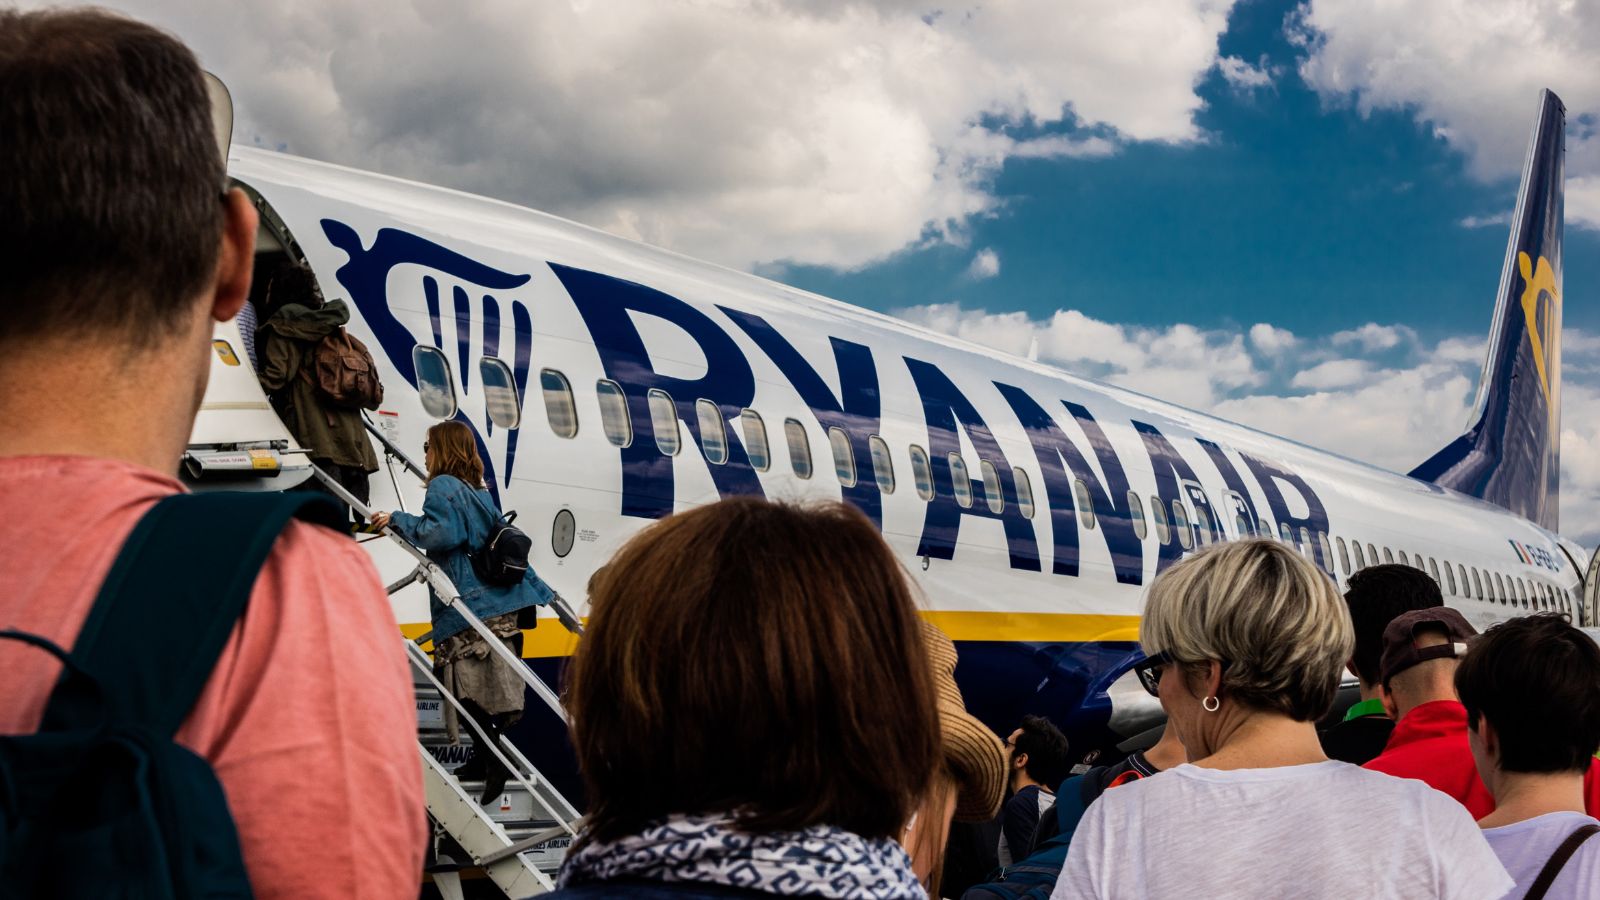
(1467, 582)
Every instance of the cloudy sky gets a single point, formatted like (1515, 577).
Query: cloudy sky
(1290, 213)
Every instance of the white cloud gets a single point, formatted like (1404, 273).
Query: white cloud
(1335, 373)
(1501, 219)
(1182, 364)
(1270, 340)
(832, 132)
(986, 264)
(1472, 71)
(1241, 76)
(1583, 201)
(1373, 337)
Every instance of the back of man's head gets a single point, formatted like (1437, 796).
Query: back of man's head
(1376, 595)
(1421, 650)
(1533, 679)
(110, 178)
(1046, 748)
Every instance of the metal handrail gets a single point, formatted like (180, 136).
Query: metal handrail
(564, 815)
(450, 597)
(393, 449)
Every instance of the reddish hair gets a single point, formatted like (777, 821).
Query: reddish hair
(759, 659)
(452, 450)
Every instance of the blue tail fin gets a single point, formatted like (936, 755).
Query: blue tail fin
(1511, 453)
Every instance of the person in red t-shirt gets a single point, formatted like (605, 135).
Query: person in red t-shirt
(121, 245)
(1421, 651)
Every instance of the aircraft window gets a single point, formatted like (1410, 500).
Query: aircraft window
(614, 417)
(1372, 554)
(664, 421)
(1344, 556)
(755, 439)
(1450, 576)
(500, 393)
(1025, 492)
(1522, 591)
(882, 465)
(559, 407)
(434, 384)
(1327, 551)
(1361, 561)
(1240, 524)
(1202, 521)
(1477, 584)
(1499, 588)
(1285, 534)
(1388, 556)
(1433, 569)
(921, 472)
(1404, 560)
(1158, 515)
(1080, 492)
(1180, 524)
(1237, 502)
(991, 486)
(961, 480)
(799, 447)
(844, 459)
(713, 431)
(1136, 513)
(1305, 543)
(1462, 571)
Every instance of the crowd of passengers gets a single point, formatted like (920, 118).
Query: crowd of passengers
(759, 706)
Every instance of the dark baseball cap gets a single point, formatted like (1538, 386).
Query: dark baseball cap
(1400, 650)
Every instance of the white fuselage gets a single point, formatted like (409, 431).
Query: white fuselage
(592, 307)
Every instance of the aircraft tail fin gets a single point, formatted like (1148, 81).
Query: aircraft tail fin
(1511, 453)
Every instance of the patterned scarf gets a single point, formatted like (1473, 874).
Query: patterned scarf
(820, 861)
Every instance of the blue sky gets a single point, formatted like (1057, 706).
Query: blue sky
(1294, 210)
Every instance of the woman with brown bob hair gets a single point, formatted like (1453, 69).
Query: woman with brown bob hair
(457, 518)
(753, 710)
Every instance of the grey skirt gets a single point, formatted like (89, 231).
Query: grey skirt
(471, 671)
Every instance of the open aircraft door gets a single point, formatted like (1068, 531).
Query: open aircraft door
(1589, 590)
(238, 441)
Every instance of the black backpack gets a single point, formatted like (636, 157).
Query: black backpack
(100, 802)
(502, 561)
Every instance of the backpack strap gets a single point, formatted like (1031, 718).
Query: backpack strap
(1558, 860)
(168, 606)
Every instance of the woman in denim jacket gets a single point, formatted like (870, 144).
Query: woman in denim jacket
(457, 518)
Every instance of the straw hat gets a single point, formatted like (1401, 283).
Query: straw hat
(975, 756)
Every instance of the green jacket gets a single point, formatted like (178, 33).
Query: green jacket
(284, 342)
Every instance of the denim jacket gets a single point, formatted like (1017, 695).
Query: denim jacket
(457, 519)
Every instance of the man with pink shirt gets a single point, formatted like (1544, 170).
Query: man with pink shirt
(119, 249)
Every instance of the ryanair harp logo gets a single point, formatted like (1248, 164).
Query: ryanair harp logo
(1541, 280)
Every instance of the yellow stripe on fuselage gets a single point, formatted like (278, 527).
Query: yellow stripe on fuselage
(551, 641)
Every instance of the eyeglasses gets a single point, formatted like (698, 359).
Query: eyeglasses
(1149, 672)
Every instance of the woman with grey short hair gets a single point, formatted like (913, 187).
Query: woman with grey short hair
(1246, 642)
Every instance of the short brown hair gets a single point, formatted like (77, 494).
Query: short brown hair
(110, 177)
(453, 450)
(759, 659)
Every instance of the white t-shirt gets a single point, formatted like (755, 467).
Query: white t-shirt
(1524, 848)
(1322, 830)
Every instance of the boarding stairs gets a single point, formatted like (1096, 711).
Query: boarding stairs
(520, 838)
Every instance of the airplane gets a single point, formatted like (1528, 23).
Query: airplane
(610, 384)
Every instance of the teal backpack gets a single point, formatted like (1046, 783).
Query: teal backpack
(100, 802)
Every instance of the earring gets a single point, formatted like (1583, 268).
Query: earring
(1211, 704)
